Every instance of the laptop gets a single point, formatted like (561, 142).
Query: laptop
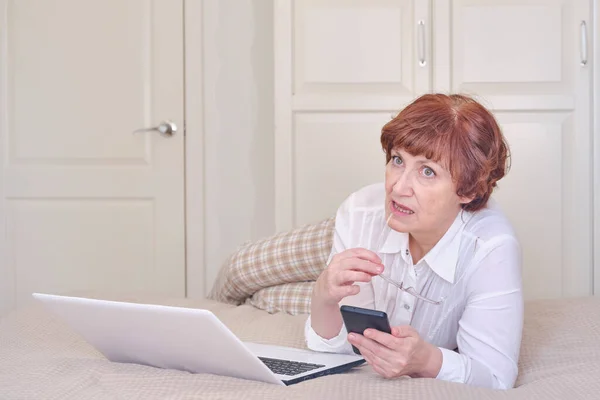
(187, 339)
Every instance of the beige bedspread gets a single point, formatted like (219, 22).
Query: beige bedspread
(41, 358)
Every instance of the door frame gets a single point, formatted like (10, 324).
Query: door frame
(594, 32)
(5, 281)
(195, 262)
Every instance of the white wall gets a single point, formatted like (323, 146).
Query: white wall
(238, 130)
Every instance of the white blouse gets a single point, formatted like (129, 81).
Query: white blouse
(475, 268)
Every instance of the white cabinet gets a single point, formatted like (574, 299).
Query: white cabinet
(344, 68)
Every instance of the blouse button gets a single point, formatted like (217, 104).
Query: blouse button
(406, 306)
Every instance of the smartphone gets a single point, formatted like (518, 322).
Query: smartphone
(358, 319)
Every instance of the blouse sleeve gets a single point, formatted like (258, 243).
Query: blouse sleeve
(364, 298)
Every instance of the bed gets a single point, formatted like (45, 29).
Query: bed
(261, 295)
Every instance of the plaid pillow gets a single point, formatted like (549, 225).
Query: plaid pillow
(291, 298)
(276, 273)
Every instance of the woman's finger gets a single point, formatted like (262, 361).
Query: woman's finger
(392, 342)
(380, 365)
(372, 347)
(358, 264)
(351, 276)
(360, 253)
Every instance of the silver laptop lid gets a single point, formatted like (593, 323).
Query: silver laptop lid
(193, 340)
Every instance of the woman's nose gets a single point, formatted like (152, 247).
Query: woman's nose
(403, 185)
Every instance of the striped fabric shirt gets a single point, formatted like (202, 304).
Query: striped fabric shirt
(475, 268)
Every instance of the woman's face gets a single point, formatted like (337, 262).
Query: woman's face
(420, 195)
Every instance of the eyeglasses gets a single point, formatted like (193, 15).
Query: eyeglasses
(409, 289)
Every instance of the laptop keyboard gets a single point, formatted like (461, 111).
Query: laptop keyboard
(287, 367)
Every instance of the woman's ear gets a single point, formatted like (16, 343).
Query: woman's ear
(466, 199)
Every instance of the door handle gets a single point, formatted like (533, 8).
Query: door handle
(583, 45)
(421, 45)
(166, 128)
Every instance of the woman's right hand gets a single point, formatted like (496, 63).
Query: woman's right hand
(346, 268)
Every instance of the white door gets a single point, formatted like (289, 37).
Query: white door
(86, 203)
(532, 77)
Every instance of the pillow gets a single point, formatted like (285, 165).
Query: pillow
(291, 298)
(276, 263)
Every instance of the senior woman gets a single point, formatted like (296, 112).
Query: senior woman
(459, 316)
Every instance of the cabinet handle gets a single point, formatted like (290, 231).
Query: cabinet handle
(421, 45)
(584, 45)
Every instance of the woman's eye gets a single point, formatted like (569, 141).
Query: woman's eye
(428, 172)
(396, 160)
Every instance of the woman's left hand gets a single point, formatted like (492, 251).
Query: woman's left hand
(403, 352)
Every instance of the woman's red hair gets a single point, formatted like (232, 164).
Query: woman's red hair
(457, 132)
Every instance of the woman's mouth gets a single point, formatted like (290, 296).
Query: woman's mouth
(401, 209)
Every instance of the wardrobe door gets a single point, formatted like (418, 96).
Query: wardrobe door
(525, 61)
